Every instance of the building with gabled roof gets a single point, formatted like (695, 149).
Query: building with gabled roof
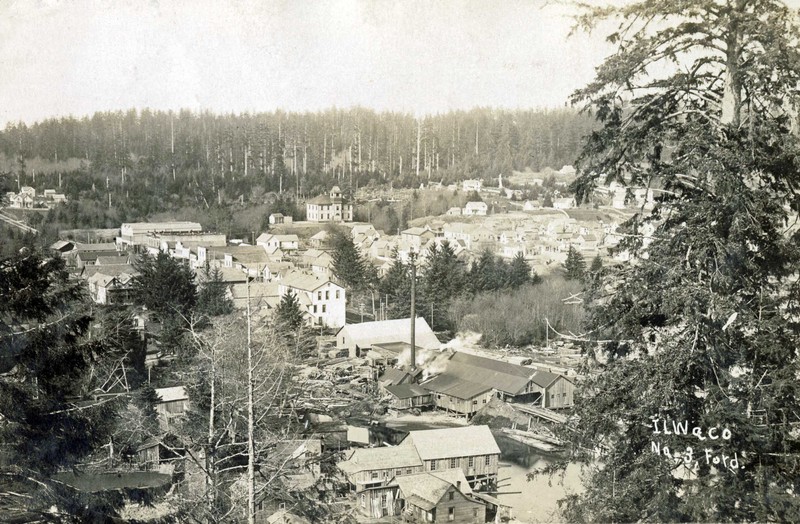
(323, 299)
(172, 403)
(467, 379)
(475, 209)
(456, 395)
(437, 496)
(359, 338)
(463, 457)
(409, 395)
(282, 242)
(371, 467)
(262, 295)
(329, 208)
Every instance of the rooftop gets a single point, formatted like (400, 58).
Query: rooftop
(382, 332)
(433, 444)
(366, 459)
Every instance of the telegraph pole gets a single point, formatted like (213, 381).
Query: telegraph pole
(413, 259)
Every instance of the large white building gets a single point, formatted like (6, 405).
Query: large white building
(137, 233)
(329, 208)
(322, 299)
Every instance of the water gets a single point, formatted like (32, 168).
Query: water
(536, 500)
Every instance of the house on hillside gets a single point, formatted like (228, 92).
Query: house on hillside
(454, 212)
(261, 295)
(173, 403)
(358, 339)
(472, 185)
(116, 288)
(563, 203)
(286, 243)
(319, 239)
(279, 218)
(329, 208)
(531, 205)
(475, 209)
(323, 299)
(416, 237)
(85, 257)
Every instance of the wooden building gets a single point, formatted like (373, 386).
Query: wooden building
(373, 467)
(172, 403)
(472, 449)
(466, 376)
(407, 396)
(441, 496)
(454, 394)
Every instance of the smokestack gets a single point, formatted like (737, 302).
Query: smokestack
(413, 315)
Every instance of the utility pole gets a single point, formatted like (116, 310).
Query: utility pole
(413, 262)
(251, 452)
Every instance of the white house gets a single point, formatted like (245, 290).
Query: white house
(329, 208)
(472, 185)
(283, 242)
(563, 203)
(322, 299)
(279, 218)
(475, 208)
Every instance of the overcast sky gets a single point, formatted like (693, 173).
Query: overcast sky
(62, 57)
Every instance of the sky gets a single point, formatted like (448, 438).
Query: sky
(75, 57)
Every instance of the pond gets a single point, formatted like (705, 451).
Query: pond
(534, 501)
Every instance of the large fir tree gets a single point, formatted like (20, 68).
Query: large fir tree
(46, 364)
(701, 327)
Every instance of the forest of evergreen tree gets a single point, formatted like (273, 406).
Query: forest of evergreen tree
(142, 162)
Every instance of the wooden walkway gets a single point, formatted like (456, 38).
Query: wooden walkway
(542, 413)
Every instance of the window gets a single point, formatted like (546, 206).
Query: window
(319, 295)
(315, 308)
(433, 465)
(451, 513)
(327, 295)
(323, 308)
(337, 293)
(453, 463)
(450, 495)
(475, 512)
(484, 401)
(474, 402)
(398, 472)
(363, 500)
(408, 471)
(374, 475)
(488, 459)
(471, 462)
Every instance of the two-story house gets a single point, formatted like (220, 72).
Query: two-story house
(323, 299)
(329, 208)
